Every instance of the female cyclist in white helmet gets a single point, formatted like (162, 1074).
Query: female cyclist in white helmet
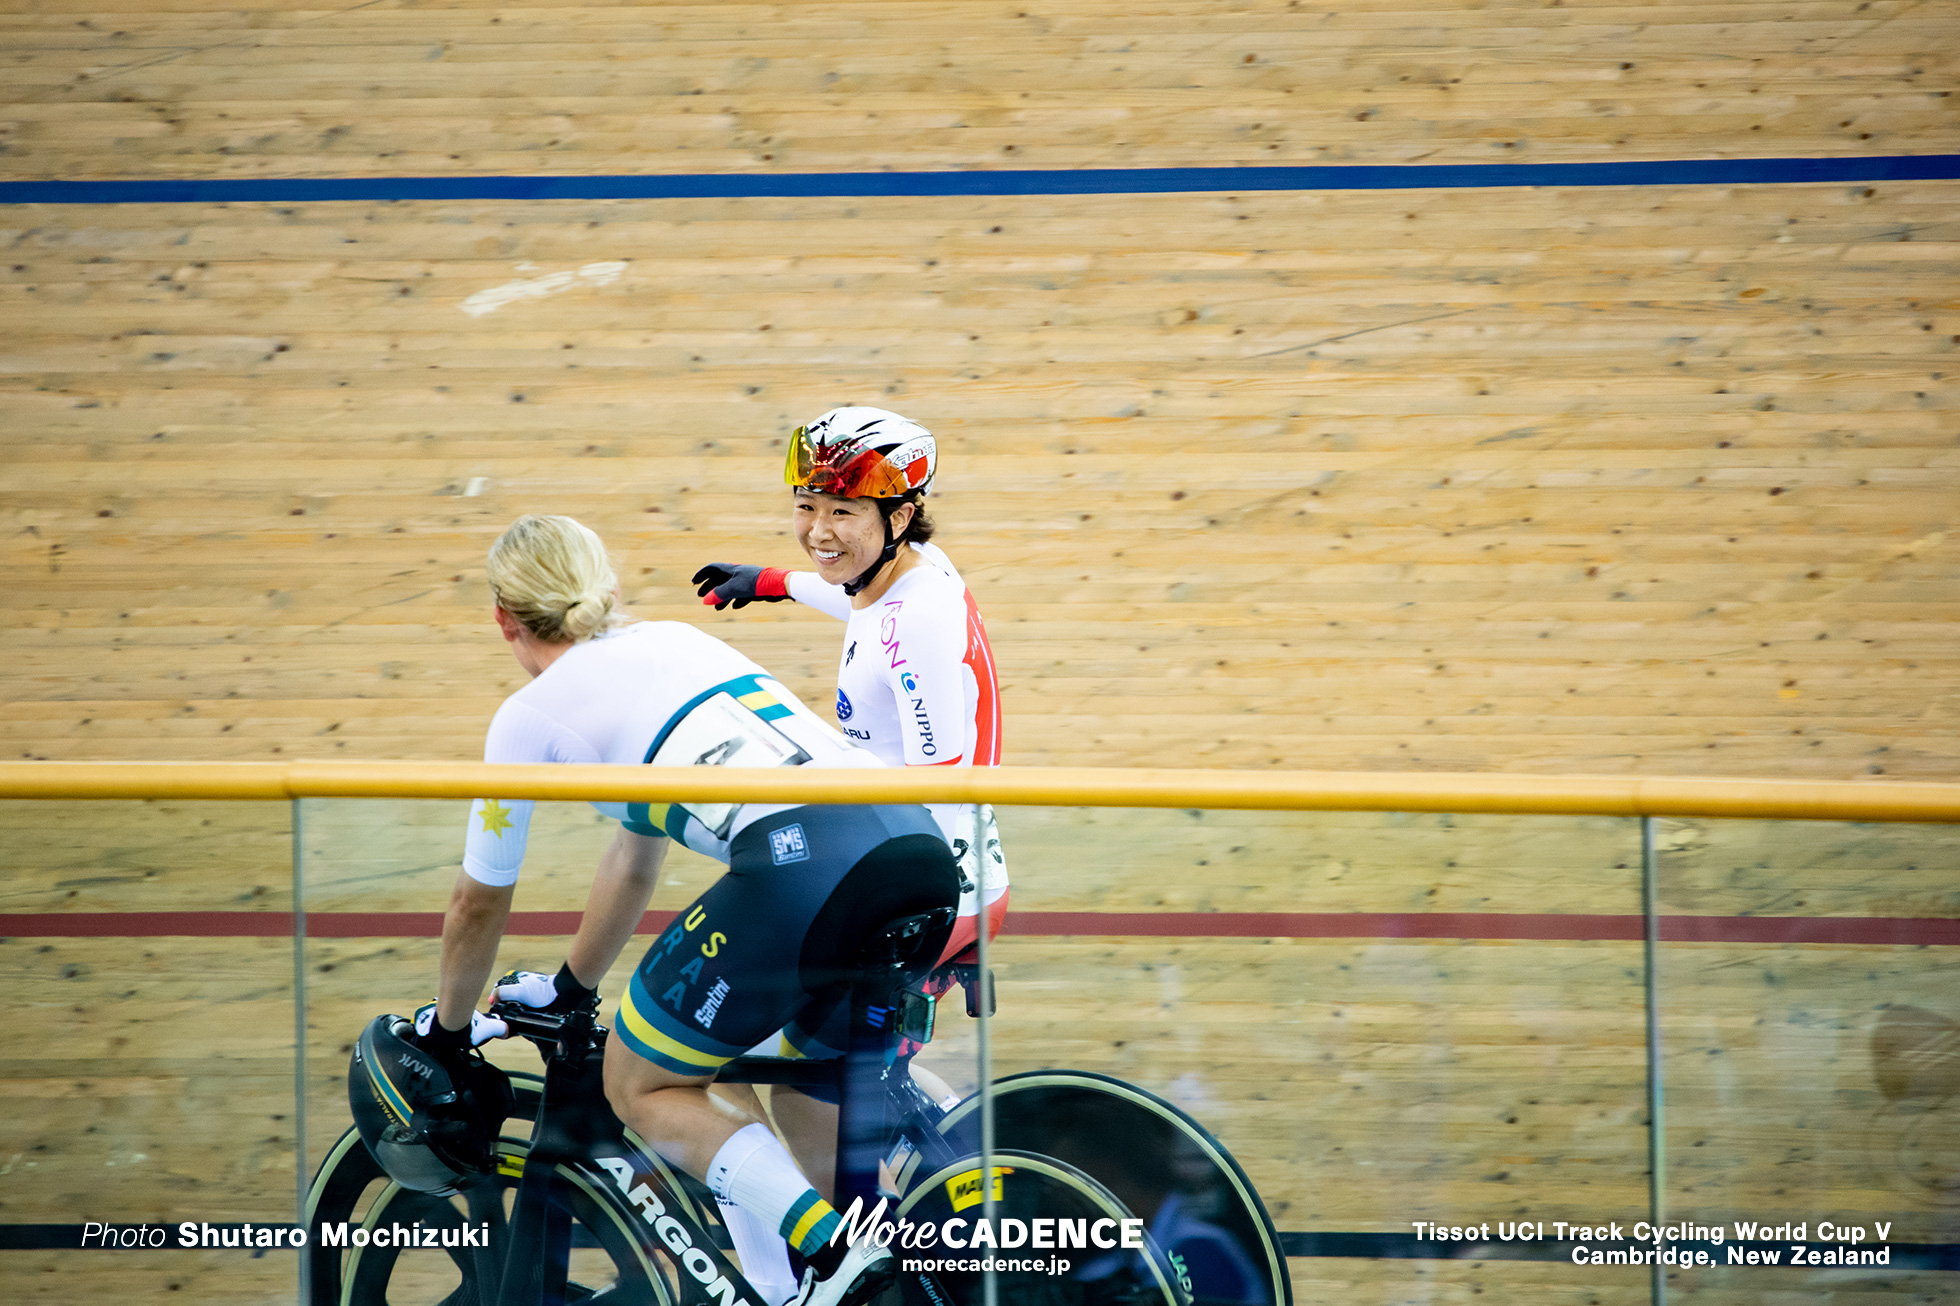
(915, 681)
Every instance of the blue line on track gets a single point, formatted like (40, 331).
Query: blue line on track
(1096, 181)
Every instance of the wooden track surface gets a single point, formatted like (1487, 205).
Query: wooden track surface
(185, 88)
(1605, 480)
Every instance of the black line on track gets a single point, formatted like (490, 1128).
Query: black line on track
(1295, 1243)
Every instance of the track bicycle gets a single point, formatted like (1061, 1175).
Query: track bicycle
(583, 1209)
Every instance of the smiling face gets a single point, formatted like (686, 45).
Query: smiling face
(842, 536)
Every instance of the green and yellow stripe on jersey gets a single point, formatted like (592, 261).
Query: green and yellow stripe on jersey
(760, 694)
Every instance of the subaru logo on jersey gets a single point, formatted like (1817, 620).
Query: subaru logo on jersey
(788, 845)
(843, 706)
(910, 681)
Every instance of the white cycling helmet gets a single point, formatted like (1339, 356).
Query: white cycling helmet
(866, 453)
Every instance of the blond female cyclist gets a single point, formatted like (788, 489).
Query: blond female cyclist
(767, 947)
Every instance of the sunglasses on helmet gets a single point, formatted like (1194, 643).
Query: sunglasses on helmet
(852, 471)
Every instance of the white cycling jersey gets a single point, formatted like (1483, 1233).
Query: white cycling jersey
(660, 693)
(916, 686)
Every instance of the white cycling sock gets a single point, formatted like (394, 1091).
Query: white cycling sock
(755, 1171)
(762, 1252)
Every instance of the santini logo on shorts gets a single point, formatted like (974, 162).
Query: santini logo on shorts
(705, 1016)
(788, 845)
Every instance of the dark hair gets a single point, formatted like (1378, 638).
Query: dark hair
(920, 528)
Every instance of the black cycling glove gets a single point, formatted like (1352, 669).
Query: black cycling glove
(723, 583)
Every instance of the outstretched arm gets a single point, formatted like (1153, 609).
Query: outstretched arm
(813, 591)
(471, 930)
(628, 872)
(721, 584)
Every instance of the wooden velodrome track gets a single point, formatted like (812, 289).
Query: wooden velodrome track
(1636, 478)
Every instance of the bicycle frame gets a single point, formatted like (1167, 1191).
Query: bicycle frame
(879, 1107)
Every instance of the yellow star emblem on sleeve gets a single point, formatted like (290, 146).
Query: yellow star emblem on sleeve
(496, 817)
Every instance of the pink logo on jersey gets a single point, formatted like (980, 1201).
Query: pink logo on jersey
(888, 632)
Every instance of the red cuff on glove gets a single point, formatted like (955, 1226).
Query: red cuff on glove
(773, 583)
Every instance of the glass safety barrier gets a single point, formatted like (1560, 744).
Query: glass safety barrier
(1239, 1056)
(148, 959)
(1808, 988)
(1383, 1018)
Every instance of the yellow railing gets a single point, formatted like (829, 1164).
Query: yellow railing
(1006, 786)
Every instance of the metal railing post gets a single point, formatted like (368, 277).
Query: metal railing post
(990, 1282)
(299, 1041)
(1656, 1097)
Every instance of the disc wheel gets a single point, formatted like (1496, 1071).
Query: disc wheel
(1030, 1188)
(1159, 1162)
(612, 1251)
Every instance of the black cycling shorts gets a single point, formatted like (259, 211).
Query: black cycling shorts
(771, 944)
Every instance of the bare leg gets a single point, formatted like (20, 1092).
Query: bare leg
(742, 1097)
(754, 1177)
(810, 1129)
(675, 1113)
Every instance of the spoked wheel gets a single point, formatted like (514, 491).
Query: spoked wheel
(613, 1255)
(1159, 1162)
(1078, 1210)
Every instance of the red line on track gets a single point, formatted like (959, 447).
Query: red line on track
(1380, 926)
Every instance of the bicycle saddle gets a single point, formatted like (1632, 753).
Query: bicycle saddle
(900, 940)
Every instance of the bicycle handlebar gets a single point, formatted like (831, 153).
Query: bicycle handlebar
(528, 1022)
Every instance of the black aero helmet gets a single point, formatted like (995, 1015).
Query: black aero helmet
(428, 1126)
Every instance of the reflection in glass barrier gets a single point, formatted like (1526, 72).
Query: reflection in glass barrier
(1812, 1048)
(1264, 1043)
(820, 939)
(149, 1062)
(1364, 1019)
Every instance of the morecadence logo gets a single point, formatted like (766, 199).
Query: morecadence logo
(977, 1233)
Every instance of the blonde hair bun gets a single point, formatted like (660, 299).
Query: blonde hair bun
(552, 574)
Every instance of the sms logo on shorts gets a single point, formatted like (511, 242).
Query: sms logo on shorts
(909, 681)
(843, 706)
(788, 845)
